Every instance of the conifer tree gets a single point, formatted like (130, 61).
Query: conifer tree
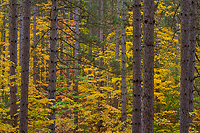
(25, 66)
(117, 55)
(184, 89)
(123, 84)
(148, 67)
(192, 39)
(53, 62)
(77, 62)
(136, 127)
(13, 57)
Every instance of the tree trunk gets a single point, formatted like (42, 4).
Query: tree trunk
(192, 38)
(20, 35)
(35, 70)
(184, 92)
(148, 67)
(77, 62)
(117, 56)
(90, 34)
(25, 66)
(13, 57)
(53, 62)
(136, 127)
(123, 84)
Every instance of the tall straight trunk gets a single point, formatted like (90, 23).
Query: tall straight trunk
(123, 84)
(90, 34)
(13, 57)
(184, 92)
(53, 62)
(101, 48)
(77, 73)
(20, 35)
(35, 75)
(117, 55)
(148, 67)
(192, 38)
(25, 66)
(68, 47)
(136, 126)
(98, 13)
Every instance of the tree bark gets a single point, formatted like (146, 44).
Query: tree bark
(90, 34)
(148, 67)
(53, 62)
(35, 70)
(13, 58)
(77, 73)
(20, 35)
(123, 84)
(136, 126)
(25, 66)
(184, 92)
(117, 55)
(192, 39)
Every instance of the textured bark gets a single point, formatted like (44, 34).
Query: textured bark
(148, 67)
(192, 38)
(35, 60)
(13, 57)
(117, 56)
(101, 48)
(184, 92)
(53, 62)
(90, 33)
(77, 62)
(192, 25)
(98, 13)
(20, 35)
(123, 84)
(25, 66)
(136, 126)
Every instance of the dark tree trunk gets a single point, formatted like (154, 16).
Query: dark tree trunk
(123, 84)
(77, 63)
(35, 60)
(116, 102)
(136, 127)
(25, 66)
(192, 38)
(53, 62)
(148, 67)
(13, 57)
(184, 92)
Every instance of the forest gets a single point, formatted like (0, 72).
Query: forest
(100, 66)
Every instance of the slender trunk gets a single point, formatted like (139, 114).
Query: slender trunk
(42, 71)
(13, 57)
(184, 92)
(25, 66)
(67, 39)
(192, 38)
(117, 56)
(77, 73)
(53, 62)
(35, 75)
(101, 48)
(123, 85)
(136, 126)
(20, 35)
(90, 34)
(148, 67)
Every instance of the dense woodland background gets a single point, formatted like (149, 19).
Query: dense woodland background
(78, 76)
